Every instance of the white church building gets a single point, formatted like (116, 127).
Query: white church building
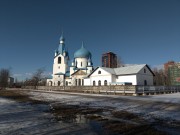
(82, 73)
(72, 75)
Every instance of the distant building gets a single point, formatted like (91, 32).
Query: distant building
(172, 71)
(166, 66)
(109, 60)
(10, 81)
(174, 74)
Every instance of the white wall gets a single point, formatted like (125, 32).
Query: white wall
(89, 70)
(127, 78)
(102, 77)
(87, 81)
(60, 67)
(81, 60)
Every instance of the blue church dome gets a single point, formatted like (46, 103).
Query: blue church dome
(82, 53)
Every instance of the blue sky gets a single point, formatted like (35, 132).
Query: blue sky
(139, 31)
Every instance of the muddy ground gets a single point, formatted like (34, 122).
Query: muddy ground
(103, 120)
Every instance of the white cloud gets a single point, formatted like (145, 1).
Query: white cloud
(17, 75)
(158, 66)
(28, 74)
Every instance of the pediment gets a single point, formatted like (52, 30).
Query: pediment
(80, 72)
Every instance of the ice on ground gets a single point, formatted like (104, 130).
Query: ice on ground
(165, 106)
(26, 119)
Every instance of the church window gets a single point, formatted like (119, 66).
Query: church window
(59, 60)
(99, 83)
(81, 64)
(105, 83)
(66, 83)
(99, 72)
(94, 83)
(76, 82)
(79, 82)
(50, 83)
(82, 82)
(59, 83)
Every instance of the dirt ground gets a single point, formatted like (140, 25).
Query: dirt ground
(108, 120)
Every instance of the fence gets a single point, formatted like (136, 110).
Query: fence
(113, 89)
(146, 90)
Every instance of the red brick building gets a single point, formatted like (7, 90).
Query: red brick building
(109, 59)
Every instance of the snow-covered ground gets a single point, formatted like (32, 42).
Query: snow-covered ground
(166, 106)
(23, 118)
(26, 119)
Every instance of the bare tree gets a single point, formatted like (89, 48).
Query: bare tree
(160, 77)
(36, 77)
(4, 76)
(120, 63)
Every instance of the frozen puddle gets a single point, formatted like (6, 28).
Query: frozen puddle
(23, 118)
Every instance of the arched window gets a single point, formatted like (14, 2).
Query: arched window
(79, 82)
(50, 83)
(105, 83)
(59, 83)
(99, 72)
(94, 83)
(81, 64)
(76, 81)
(59, 60)
(99, 83)
(82, 82)
(66, 83)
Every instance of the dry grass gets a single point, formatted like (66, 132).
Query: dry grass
(19, 96)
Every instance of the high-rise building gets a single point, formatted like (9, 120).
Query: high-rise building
(166, 66)
(172, 71)
(109, 59)
(174, 74)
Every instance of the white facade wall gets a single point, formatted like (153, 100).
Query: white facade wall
(58, 78)
(127, 78)
(100, 77)
(87, 81)
(108, 78)
(72, 70)
(89, 70)
(49, 82)
(62, 67)
(81, 62)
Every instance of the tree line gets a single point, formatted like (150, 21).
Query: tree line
(37, 79)
(4, 77)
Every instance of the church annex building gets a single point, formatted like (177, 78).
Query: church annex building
(82, 73)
